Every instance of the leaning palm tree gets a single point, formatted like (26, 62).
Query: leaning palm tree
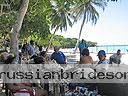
(87, 10)
(59, 17)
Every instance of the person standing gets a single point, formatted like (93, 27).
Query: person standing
(81, 46)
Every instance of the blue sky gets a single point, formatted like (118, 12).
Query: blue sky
(111, 28)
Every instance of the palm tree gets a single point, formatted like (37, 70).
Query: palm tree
(87, 10)
(59, 17)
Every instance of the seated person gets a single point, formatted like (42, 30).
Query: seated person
(85, 58)
(24, 59)
(42, 52)
(3, 56)
(38, 59)
(6, 57)
(102, 57)
(26, 88)
(115, 58)
(102, 60)
(58, 56)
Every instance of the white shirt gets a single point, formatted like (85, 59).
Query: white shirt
(118, 57)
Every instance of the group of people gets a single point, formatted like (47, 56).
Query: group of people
(85, 57)
(27, 51)
(6, 57)
(31, 48)
(31, 51)
(37, 53)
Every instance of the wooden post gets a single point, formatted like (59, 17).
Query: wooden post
(56, 89)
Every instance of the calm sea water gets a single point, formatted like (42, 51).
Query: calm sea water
(106, 48)
(110, 48)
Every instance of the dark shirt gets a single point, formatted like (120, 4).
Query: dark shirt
(59, 57)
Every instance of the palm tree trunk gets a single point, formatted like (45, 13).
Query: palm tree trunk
(80, 31)
(14, 34)
(50, 41)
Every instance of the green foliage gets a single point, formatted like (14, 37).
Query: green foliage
(69, 42)
(35, 21)
(43, 14)
(90, 43)
(58, 14)
(35, 25)
(88, 8)
(6, 22)
(14, 4)
(64, 42)
(8, 17)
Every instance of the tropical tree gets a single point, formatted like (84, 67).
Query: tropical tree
(35, 25)
(7, 18)
(14, 33)
(59, 17)
(60, 13)
(56, 13)
(35, 21)
(86, 9)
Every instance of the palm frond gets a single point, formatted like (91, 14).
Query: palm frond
(99, 3)
(69, 22)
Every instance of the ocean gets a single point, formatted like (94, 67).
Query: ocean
(109, 48)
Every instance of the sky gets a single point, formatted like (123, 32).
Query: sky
(110, 29)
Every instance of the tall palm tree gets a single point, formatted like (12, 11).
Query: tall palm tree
(87, 10)
(59, 17)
